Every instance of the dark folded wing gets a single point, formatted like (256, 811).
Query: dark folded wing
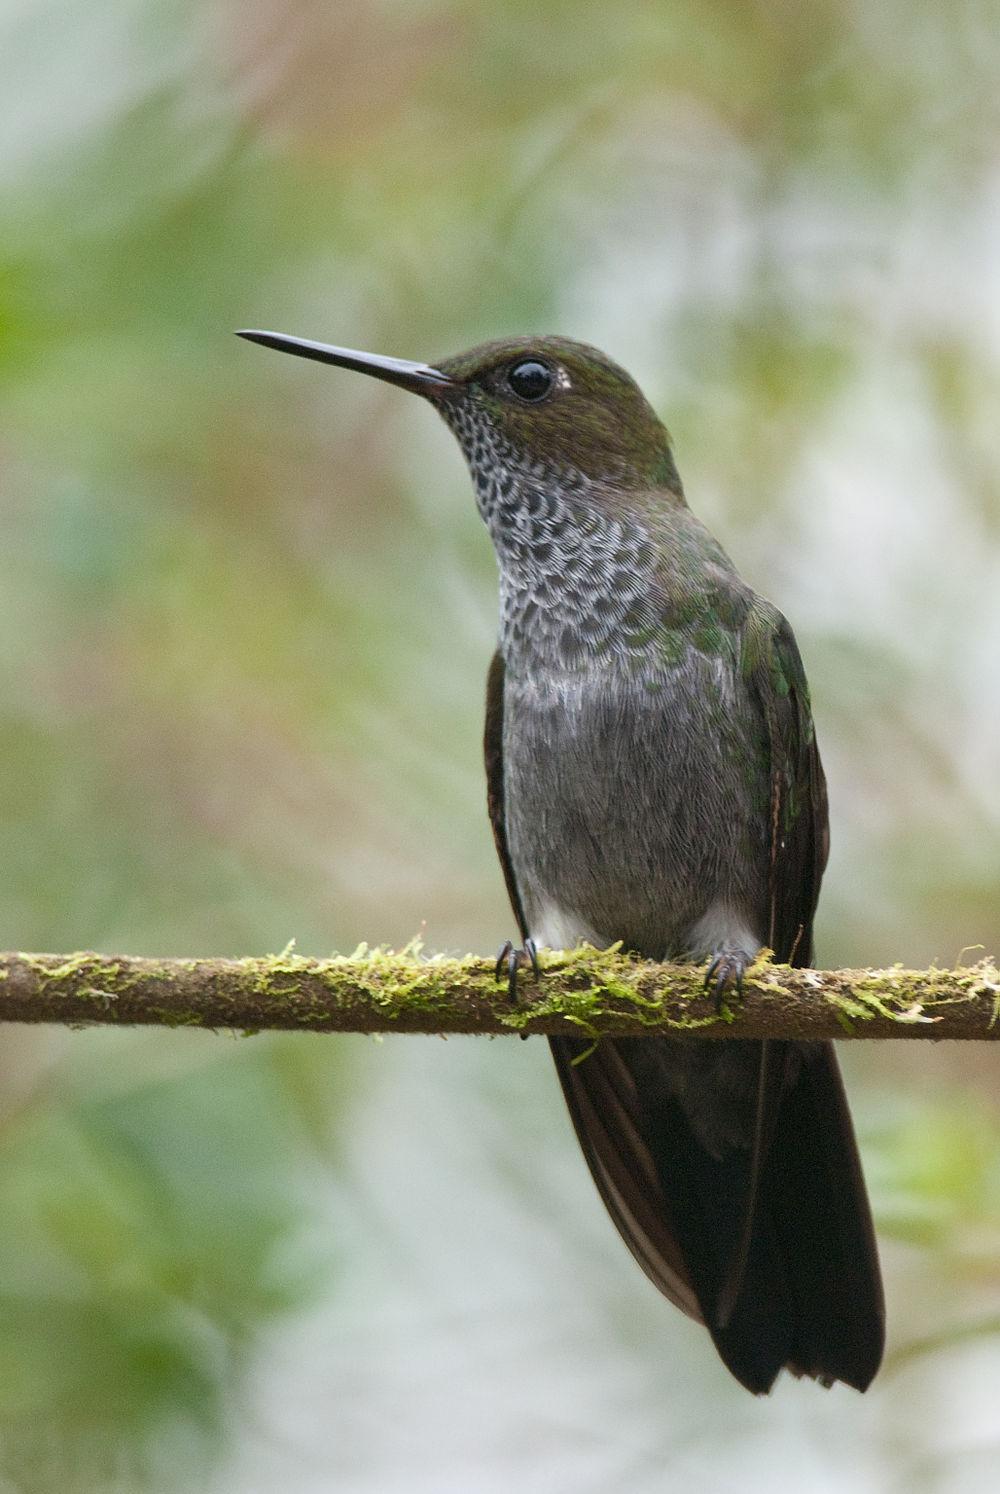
(800, 834)
(493, 752)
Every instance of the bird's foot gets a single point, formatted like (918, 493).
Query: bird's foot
(726, 970)
(511, 960)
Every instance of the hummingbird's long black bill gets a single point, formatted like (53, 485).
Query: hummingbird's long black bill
(419, 377)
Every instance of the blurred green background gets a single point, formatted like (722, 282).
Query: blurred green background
(246, 608)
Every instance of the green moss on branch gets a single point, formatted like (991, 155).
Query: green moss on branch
(585, 991)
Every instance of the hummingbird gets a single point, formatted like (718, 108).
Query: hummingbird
(653, 778)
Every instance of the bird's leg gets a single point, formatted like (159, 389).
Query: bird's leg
(511, 960)
(726, 969)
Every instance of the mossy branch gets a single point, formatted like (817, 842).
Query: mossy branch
(585, 992)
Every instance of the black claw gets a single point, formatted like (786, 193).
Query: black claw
(505, 950)
(511, 960)
(726, 969)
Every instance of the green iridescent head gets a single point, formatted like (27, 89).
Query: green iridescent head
(564, 404)
(554, 403)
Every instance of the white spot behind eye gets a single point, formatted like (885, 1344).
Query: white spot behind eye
(562, 378)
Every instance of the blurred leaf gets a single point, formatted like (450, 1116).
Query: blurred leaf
(151, 1234)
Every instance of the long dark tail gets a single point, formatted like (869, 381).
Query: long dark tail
(732, 1173)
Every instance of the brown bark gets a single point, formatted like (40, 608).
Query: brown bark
(584, 992)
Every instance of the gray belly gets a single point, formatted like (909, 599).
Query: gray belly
(639, 812)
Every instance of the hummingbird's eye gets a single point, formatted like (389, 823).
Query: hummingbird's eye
(530, 380)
